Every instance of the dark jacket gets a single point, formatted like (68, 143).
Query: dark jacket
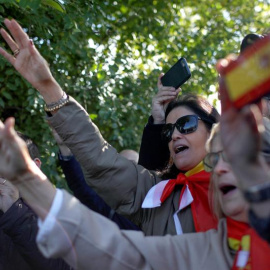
(86, 195)
(154, 152)
(10, 258)
(18, 230)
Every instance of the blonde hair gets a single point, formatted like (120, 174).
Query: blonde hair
(212, 193)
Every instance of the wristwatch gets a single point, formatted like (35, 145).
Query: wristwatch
(258, 193)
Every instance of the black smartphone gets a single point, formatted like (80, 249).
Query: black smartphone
(177, 75)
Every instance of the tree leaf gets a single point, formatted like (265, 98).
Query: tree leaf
(55, 4)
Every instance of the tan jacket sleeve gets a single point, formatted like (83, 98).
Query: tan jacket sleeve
(87, 240)
(120, 182)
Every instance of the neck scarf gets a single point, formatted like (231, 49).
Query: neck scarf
(253, 253)
(194, 192)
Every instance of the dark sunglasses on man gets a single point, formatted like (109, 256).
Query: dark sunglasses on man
(185, 125)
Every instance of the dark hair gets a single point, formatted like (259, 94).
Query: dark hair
(32, 147)
(249, 41)
(201, 107)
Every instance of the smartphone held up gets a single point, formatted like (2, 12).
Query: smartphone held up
(177, 75)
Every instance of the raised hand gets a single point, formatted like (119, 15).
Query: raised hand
(15, 159)
(28, 62)
(17, 166)
(161, 100)
(26, 59)
(240, 130)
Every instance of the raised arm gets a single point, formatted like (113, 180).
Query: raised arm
(29, 63)
(154, 153)
(85, 194)
(85, 239)
(247, 146)
(17, 166)
(120, 182)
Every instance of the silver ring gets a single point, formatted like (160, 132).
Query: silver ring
(4, 182)
(16, 52)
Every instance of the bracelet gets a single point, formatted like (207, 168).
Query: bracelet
(58, 104)
(258, 193)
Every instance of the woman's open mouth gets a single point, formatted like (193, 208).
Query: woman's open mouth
(226, 189)
(180, 149)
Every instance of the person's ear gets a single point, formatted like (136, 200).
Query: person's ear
(38, 162)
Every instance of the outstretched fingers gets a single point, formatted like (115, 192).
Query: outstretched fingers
(20, 37)
(11, 43)
(9, 40)
(17, 41)
(10, 58)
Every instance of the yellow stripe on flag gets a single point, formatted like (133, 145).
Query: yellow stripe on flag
(249, 74)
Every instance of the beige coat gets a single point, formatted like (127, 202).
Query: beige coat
(120, 182)
(87, 240)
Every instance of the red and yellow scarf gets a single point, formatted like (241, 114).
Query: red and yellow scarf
(253, 253)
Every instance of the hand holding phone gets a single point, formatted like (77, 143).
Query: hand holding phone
(177, 75)
(161, 100)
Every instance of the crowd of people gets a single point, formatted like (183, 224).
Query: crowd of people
(196, 197)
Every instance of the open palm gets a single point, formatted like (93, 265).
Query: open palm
(28, 62)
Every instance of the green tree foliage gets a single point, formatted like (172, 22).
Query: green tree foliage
(108, 55)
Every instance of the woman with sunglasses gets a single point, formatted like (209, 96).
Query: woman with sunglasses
(87, 240)
(189, 120)
(158, 207)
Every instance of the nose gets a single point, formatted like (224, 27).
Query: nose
(221, 167)
(176, 134)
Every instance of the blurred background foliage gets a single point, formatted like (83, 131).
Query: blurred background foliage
(108, 55)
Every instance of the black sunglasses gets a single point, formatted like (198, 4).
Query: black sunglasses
(211, 160)
(185, 125)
